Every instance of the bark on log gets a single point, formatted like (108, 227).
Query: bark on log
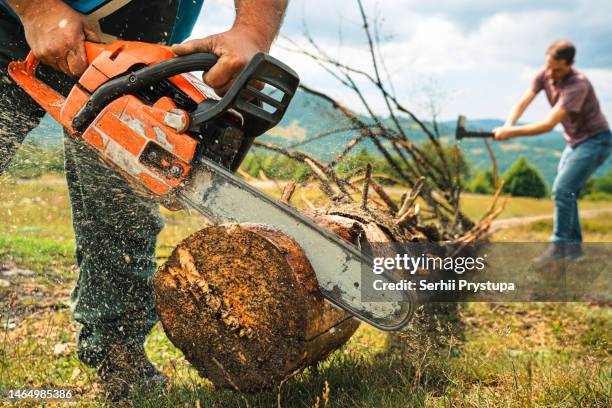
(242, 303)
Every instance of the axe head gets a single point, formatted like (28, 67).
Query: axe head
(460, 130)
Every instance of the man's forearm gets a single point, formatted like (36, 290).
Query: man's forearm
(21, 7)
(532, 129)
(555, 117)
(262, 17)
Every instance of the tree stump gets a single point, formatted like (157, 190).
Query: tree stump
(242, 303)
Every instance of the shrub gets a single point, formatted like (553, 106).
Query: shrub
(482, 183)
(451, 154)
(603, 184)
(598, 188)
(525, 180)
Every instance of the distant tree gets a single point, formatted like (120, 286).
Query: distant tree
(598, 188)
(359, 160)
(525, 180)
(603, 184)
(251, 165)
(482, 183)
(273, 166)
(355, 161)
(588, 189)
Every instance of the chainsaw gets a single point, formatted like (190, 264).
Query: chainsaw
(462, 133)
(144, 113)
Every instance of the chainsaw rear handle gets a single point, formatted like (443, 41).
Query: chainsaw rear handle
(137, 80)
(31, 63)
(24, 72)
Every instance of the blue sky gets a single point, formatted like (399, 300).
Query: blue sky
(467, 56)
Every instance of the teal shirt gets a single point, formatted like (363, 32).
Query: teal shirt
(179, 16)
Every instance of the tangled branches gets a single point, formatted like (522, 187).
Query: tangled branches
(432, 180)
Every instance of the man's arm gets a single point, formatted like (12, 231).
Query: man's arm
(255, 28)
(55, 33)
(556, 115)
(519, 108)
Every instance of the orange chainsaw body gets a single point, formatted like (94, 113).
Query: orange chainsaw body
(127, 130)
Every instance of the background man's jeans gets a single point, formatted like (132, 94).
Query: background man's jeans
(577, 164)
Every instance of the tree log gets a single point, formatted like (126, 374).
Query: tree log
(242, 303)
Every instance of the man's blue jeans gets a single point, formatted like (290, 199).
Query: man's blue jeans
(577, 164)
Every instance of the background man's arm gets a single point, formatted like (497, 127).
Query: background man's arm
(55, 33)
(256, 25)
(506, 132)
(519, 108)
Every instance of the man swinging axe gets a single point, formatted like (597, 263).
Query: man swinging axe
(586, 130)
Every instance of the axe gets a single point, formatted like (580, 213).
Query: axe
(461, 132)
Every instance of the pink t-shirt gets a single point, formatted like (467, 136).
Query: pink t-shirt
(576, 95)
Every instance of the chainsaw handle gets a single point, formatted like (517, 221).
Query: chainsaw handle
(261, 111)
(138, 80)
(24, 74)
(92, 50)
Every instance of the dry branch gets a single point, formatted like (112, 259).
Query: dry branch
(493, 162)
(366, 186)
(288, 192)
(384, 196)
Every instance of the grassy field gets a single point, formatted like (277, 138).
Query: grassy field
(524, 355)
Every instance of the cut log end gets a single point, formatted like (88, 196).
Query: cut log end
(241, 302)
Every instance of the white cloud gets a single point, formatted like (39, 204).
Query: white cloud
(481, 54)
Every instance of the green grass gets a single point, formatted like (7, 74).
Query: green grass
(474, 205)
(476, 355)
(41, 255)
(595, 229)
